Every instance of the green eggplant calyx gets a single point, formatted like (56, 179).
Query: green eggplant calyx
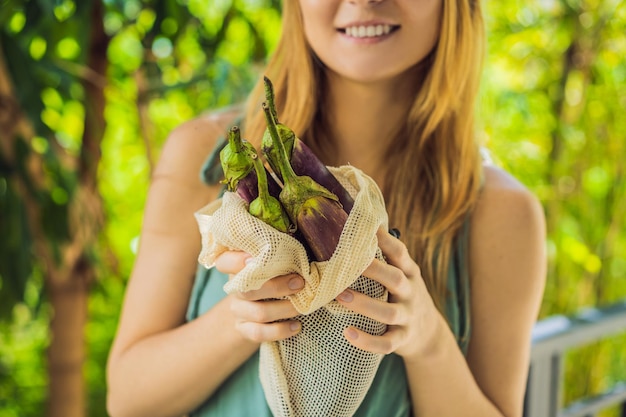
(288, 138)
(271, 212)
(235, 159)
(303, 192)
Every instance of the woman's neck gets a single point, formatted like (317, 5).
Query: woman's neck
(364, 118)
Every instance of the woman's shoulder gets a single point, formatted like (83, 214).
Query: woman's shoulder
(188, 145)
(204, 130)
(506, 198)
(176, 188)
(507, 225)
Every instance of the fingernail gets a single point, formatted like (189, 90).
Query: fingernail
(295, 283)
(351, 334)
(294, 326)
(346, 296)
(248, 260)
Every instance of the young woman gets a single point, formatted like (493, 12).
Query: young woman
(388, 86)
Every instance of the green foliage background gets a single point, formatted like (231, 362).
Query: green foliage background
(552, 112)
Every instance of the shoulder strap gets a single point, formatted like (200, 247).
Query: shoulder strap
(212, 172)
(463, 286)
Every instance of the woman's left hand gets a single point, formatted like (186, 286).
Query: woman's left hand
(410, 314)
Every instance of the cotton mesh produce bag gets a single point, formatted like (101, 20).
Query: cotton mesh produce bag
(316, 372)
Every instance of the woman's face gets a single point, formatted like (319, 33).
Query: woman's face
(373, 40)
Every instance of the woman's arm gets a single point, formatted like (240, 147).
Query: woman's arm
(508, 272)
(507, 269)
(159, 365)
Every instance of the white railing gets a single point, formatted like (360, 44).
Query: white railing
(552, 337)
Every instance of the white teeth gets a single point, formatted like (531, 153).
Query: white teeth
(368, 31)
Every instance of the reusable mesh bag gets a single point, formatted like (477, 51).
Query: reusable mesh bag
(317, 371)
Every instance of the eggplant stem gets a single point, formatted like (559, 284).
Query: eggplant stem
(264, 192)
(234, 139)
(286, 171)
(269, 97)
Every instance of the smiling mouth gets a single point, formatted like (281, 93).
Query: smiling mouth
(369, 31)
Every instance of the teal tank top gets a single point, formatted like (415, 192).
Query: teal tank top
(241, 395)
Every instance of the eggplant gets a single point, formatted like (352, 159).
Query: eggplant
(301, 157)
(316, 212)
(267, 207)
(238, 167)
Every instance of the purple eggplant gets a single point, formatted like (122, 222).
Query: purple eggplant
(267, 207)
(239, 173)
(315, 211)
(301, 157)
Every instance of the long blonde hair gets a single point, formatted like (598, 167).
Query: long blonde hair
(439, 163)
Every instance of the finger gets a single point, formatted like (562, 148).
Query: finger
(271, 332)
(278, 287)
(263, 311)
(396, 253)
(385, 344)
(378, 310)
(231, 262)
(389, 276)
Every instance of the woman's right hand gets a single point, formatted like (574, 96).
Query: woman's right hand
(261, 315)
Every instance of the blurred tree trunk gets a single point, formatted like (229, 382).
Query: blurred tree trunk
(69, 292)
(67, 268)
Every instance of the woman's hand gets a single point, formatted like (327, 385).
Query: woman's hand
(260, 315)
(410, 313)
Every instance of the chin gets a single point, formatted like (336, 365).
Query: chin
(368, 76)
(371, 70)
